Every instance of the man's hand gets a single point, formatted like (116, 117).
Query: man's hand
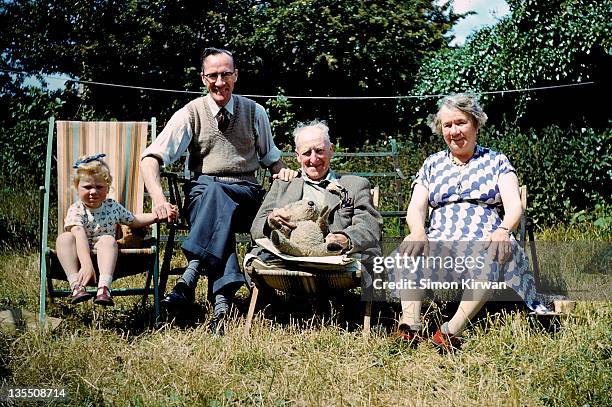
(278, 218)
(499, 246)
(285, 174)
(339, 238)
(414, 245)
(166, 210)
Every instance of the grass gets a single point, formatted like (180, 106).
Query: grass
(114, 356)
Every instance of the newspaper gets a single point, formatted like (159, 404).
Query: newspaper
(340, 260)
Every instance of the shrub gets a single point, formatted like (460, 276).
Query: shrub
(18, 218)
(566, 170)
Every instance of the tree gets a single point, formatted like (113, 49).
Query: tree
(347, 48)
(538, 44)
(304, 47)
(23, 131)
(558, 139)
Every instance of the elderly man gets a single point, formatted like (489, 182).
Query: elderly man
(354, 222)
(228, 138)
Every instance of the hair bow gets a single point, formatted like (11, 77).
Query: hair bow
(88, 159)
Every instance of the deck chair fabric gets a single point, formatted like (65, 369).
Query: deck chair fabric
(311, 281)
(122, 142)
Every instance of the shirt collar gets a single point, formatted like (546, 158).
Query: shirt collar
(214, 107)
(478, 151)
(330, 177)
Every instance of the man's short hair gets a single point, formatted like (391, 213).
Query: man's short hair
(216, 51)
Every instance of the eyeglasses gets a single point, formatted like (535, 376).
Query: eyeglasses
(212, 77)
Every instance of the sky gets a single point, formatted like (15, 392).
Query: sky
(488, 12)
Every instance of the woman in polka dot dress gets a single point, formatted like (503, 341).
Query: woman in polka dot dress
(474, 195)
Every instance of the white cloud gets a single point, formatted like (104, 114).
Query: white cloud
(488, 12)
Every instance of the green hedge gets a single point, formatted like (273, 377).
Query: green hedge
(566, 170)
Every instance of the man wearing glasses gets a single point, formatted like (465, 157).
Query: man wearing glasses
(228, 138)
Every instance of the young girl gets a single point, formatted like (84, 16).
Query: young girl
(91, 224)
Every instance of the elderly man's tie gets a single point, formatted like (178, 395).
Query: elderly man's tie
(223, 119)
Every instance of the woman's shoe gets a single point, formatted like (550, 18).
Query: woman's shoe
(405, 334)
(446, 342)
(79, 294)
(104, 298)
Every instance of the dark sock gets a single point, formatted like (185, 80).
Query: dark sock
(221, 305)
(192, 274)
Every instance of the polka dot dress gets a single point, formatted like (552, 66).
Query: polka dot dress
(466, 209)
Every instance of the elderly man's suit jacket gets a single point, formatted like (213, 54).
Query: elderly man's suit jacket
(361, 222)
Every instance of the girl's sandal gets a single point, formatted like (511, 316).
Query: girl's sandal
(79, 294)
(104, 298)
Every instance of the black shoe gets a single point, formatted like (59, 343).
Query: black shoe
(217, 325)
(181, 295)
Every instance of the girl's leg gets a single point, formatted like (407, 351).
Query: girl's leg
(107, 259)
(67, 256)
(471, 302)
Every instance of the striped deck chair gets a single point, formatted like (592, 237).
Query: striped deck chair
(122, 142)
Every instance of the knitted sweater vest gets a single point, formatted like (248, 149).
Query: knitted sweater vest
(230, 155)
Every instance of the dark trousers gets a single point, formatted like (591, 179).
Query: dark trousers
(217, 211)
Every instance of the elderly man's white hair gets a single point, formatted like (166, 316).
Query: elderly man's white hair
(317, 124)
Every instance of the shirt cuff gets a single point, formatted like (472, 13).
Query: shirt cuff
(159, 157)
(273, 156)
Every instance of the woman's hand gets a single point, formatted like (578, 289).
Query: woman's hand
(415, 244)
(499, 246)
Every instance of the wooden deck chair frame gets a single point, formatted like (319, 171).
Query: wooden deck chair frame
(525, 230)
(176, 195)
(122, 142)
(307, 282)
